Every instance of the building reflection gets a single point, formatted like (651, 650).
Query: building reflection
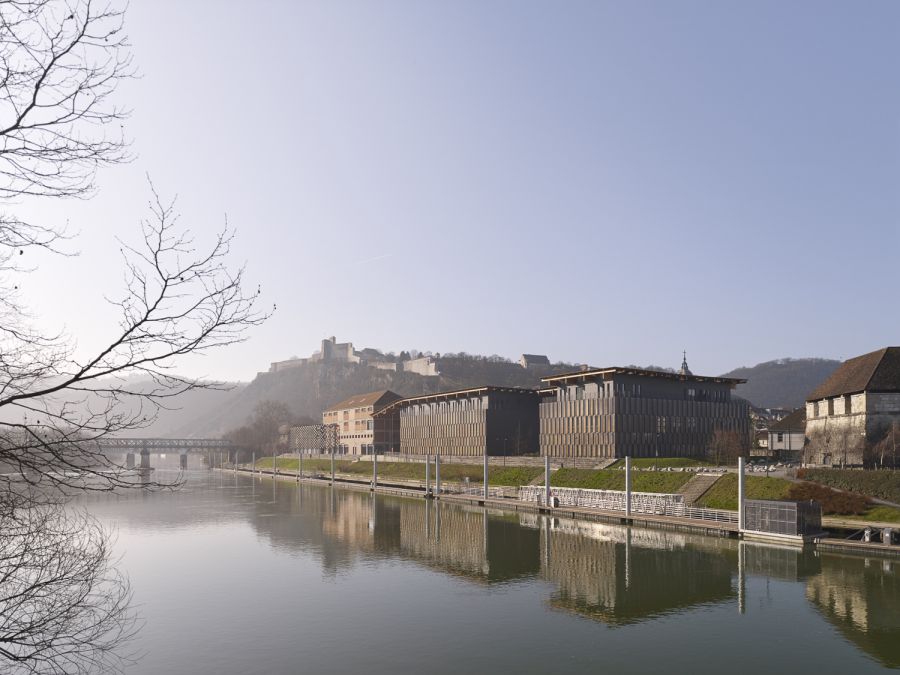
(608, 573)
(860, 597)
(482, 545)
(616, 574)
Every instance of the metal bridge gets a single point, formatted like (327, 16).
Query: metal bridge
(163, 444)
(145, 446)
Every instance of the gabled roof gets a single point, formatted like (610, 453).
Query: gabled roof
(796, 421)
(375, 399)
(536, 359)
(601, 373)
(876, 371)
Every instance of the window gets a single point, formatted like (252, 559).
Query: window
(780, 437)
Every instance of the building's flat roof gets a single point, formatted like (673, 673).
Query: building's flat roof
(640, 372)
(458, 393)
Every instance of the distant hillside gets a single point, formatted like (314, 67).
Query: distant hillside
(310, 388)
(783, 383)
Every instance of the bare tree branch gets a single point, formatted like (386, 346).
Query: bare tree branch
(178, 301)
(63, 607)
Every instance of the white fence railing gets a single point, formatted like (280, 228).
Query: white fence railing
(661, 504)
(610, 500)
(478, 490)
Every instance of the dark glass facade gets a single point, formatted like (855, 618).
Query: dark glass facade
(617, 412)
(492, 420)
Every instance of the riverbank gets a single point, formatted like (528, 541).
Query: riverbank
(505, 501)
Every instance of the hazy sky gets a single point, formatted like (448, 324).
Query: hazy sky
(603, 182)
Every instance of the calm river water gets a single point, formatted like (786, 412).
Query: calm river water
(241, 575)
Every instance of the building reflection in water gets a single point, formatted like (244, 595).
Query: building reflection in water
(860, 597)
(619, 575)
(608, 573)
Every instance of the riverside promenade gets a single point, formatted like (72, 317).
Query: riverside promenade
(501, 498)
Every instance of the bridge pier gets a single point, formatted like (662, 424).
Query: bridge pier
(183, 461)
(145, 458)
(129, 460)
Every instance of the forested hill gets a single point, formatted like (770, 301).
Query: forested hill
(310, 388)
(783, 383)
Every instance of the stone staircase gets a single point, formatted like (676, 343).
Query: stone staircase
(697, 486)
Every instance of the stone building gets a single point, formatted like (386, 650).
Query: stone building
(534, 361)
(470, 422)
(361, 433)
(614, 412)
(332, 351)
(853, 409)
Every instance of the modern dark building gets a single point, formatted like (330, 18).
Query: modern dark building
(469, 422)
(614, 412)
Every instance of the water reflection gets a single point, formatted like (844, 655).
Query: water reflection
(616, 576)
(860, 597)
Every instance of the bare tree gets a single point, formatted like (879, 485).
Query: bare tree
(178, 301)
(725, 446)
(261, 434)
(884, 451)
(60, 63)
(63, 607)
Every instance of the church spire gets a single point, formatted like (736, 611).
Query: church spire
(684, 366)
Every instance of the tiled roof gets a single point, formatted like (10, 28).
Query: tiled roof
(796, 421)
(384, 397)
(876, 371)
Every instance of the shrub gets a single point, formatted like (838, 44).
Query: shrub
(879, 484)
(833, 502)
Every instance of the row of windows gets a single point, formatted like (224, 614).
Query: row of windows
(633, 390)
(451, 430)
(455, 407)
(653, 406)
(827, 407)
(445, 418)
(333, 415)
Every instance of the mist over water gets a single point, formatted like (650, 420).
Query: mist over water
(248, 575)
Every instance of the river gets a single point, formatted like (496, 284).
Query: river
(234, 574)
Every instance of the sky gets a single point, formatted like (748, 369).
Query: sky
(602, 182)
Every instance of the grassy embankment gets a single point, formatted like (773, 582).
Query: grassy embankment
(613, 479)
(852, 502)
(497, 475)
(878, 484)
(723, 495)
(608, 479)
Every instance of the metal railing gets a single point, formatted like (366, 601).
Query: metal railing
(660, 504)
